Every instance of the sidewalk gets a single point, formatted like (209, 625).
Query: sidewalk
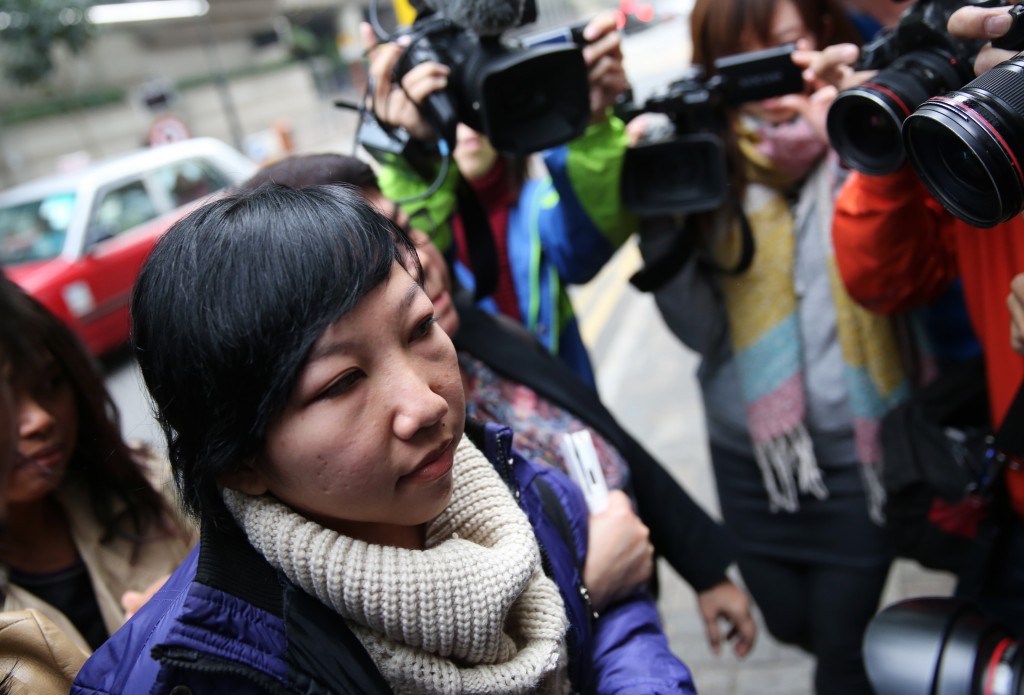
(647, 378)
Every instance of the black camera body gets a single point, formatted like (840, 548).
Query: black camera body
(523, 98)
(966, 146)
(687, 171)
(916, 59)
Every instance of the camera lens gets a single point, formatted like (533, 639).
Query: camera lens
(864, 122)
(941, 646)
(965, 146)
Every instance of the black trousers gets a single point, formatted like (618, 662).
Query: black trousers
(822, 609)
(817, 575)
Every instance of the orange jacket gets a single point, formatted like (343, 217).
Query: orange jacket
(897, 248)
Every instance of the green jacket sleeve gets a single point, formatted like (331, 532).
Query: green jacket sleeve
(431, 214)
(593, 166)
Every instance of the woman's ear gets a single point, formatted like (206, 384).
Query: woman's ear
(245, 478)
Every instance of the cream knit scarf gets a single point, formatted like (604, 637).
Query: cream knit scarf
(472, 613)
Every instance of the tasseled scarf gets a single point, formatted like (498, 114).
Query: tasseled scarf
(761, 305)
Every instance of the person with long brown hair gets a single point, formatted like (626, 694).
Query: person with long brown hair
(794, 376)
(86, 522)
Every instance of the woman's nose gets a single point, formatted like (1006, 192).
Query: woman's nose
(417, 407)
(33, 419)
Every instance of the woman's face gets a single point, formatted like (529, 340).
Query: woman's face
(787, 26)
(47, 425)
(366, 443)
(437, 282)
(8, 434)
(473, 153)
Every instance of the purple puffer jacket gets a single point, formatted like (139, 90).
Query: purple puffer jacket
(226, 621)
(624, 650)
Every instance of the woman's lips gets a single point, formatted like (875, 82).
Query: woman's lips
(46, 460)
(434, 467)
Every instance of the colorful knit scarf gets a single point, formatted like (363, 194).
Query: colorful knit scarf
(762, 311)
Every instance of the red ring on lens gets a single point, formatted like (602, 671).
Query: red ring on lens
(981, 120)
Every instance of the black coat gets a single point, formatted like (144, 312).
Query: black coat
(694, 544)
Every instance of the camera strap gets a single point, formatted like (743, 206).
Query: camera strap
(1008, 440)
(659, 270)
(483, 253)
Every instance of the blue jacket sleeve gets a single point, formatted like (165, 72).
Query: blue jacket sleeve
(631, 652)
(579, 213)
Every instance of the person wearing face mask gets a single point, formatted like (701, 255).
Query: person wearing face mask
(510, 378)
(549, 232)
(794, 375)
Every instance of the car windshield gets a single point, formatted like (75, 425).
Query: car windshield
(35, 230)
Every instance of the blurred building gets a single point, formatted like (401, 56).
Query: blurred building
(261, 74)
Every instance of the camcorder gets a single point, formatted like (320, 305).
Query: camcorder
(686, 171)
(961, 143)
(524, 96)
(941, 646)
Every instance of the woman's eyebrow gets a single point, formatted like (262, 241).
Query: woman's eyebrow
(342, 345)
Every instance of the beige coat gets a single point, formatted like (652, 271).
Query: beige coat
(39, 657)
(112, 569)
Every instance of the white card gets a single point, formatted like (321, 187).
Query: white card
(585, 470)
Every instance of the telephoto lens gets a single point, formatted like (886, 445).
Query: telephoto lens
(864, 121)
(967, 146)
(941, 646)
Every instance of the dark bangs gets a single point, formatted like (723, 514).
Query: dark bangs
(229, 305)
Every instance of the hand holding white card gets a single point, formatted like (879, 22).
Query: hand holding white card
(585, 470)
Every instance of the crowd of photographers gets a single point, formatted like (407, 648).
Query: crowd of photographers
(819, 269)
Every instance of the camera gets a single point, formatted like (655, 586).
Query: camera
(941, 646)
(524, 98)
(916, 59)
(687, 171)
(966, 146)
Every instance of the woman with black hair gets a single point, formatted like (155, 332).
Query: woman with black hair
(510, 378)
(87, 520)
(353, 540)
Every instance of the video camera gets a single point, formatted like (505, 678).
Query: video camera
(524, 98)
(687, 171)
(916, 59)
(941, 646)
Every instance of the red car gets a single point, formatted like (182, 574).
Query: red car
(76, 241)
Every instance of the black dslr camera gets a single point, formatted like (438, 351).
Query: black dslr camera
(941, 646)
(687, 171)
(916, 59)
(967, 146)
(523, 98)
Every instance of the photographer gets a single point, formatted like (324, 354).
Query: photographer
(897, 248)
(786, 358)
(548, 232)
